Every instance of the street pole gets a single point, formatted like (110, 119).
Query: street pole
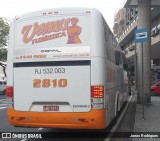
(144, 21)
(141, 36)
(135, 67)
(142, 86)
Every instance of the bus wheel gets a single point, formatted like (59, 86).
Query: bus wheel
(116, 116)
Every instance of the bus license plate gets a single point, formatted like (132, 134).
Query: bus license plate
(50, 108)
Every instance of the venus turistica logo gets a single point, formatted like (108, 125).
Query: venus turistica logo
(41, 32)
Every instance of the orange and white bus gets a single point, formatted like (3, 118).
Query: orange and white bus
(62, 72)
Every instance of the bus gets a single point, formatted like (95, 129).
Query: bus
(62, 70)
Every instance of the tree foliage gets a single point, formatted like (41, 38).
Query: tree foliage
(4, 31)
(3, 54)
(3, 58)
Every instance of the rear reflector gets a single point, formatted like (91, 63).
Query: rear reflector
(9, 92)
(98, 106)
(97, 93)
(97, 100)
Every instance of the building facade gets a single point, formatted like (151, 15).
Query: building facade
(125, 35)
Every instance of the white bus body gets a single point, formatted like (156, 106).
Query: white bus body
(61, 70)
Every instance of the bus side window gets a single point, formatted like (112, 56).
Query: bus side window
(118, 58)
(121, 60)
(125, 62)
(109, 45)
(125, 66)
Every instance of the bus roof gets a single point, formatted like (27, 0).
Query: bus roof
(56, 11)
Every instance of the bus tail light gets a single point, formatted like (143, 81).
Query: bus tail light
(9, 94)
(97, 94)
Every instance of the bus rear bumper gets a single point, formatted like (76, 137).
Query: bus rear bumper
(95, 119)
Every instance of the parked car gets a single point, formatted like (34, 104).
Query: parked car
(155, 89)
(2, 86)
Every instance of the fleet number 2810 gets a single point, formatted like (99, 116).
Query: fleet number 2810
(46, 83)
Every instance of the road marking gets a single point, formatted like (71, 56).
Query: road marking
(2, 99)
(40, 128)
(24, 140)
(3, 107)
(120, 118)
(3, 104)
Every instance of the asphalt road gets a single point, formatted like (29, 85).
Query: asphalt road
(127, 122)
(126, 125)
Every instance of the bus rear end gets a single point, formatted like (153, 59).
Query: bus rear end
(49, 71)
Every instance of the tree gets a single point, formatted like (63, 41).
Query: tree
(3, 58)
(4, 32)
(3, 54)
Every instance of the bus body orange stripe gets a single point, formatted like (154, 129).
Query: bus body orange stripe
(95, 119)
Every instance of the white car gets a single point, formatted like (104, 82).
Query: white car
(2, 86)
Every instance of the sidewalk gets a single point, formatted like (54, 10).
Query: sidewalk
(152, 119)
